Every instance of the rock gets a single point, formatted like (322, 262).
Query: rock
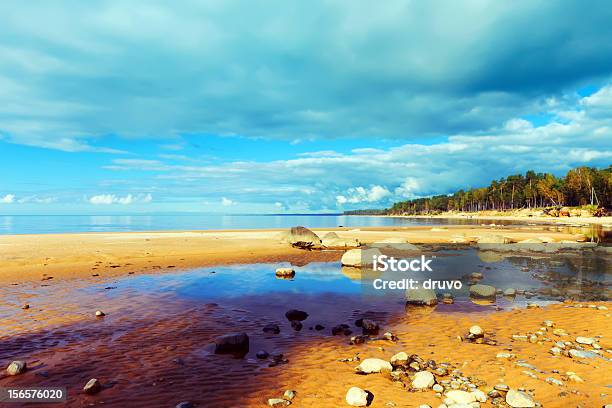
(303, 238)
(548, 323)
(17, 367)
(285, 272)
(369, 326)
(356, 397)
(289, 395)
(585, 340)
(510, 292)
(582, 354)
(319, 327)
(476, 275)
(297, 326)
(501, 387)
(437, 388)
(373, 365)
(480, 396)
(460, 397)
(359, 257)
(555, 351)
(423, 379)
(25, 307)
(482, 291)
(278, 403)
(262, 354)
(100, 313)
(400, 359)
(341, 329)
(298, 315)
(519, 399)
(185, 404)
(271, 328)
(476, 331)
(574, 377)
(93, 386)
(358, 339)
(493, 239)
(421, 297)
(554, 381)
(232, 343)
(507, 356)
(332, 240)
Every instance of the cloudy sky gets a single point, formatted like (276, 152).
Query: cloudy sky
(263, 106)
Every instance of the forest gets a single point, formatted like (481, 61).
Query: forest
(582, 186)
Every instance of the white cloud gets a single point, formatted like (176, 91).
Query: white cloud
(356, 195)
(107, 199)
(226, 202)
(7, 199)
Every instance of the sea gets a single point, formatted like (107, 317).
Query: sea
(55, 224)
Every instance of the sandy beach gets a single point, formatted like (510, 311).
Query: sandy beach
(31, 257)
(150, 350)
(493, 216)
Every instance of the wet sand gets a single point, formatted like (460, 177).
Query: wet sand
(152, 349)
(152, 352)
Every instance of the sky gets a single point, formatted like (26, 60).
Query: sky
(293, 107)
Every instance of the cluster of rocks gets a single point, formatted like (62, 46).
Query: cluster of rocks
(284, 401)
(477, 335)
(581, 348)
(302, 237)
(419, 375)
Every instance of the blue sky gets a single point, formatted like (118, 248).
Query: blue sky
(234, 107)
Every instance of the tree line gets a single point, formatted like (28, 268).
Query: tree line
(581, 186)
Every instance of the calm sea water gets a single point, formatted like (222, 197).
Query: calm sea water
(40, 224)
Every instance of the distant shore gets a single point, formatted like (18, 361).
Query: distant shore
(512, 216)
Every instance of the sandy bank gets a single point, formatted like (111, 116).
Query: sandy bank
(604, 221)
(35, 257)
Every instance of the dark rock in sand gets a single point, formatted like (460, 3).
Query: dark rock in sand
(93, 386)
(232, 343)
(297, 326)
(298, 315)
(185, 404)
(341, 329)
(262, 354)
(369, 326)
(17, 367)
(24, 307)
(318, 327)
(271, 328)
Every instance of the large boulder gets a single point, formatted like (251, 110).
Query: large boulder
(232, 343)
(303, 238)
(332, 240)
(359, 257)
(421, 297)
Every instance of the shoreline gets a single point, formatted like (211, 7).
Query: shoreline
(605, 222)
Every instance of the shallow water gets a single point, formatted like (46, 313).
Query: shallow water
(152, 347)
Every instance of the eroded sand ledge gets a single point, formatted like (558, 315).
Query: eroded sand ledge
(63, 256)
